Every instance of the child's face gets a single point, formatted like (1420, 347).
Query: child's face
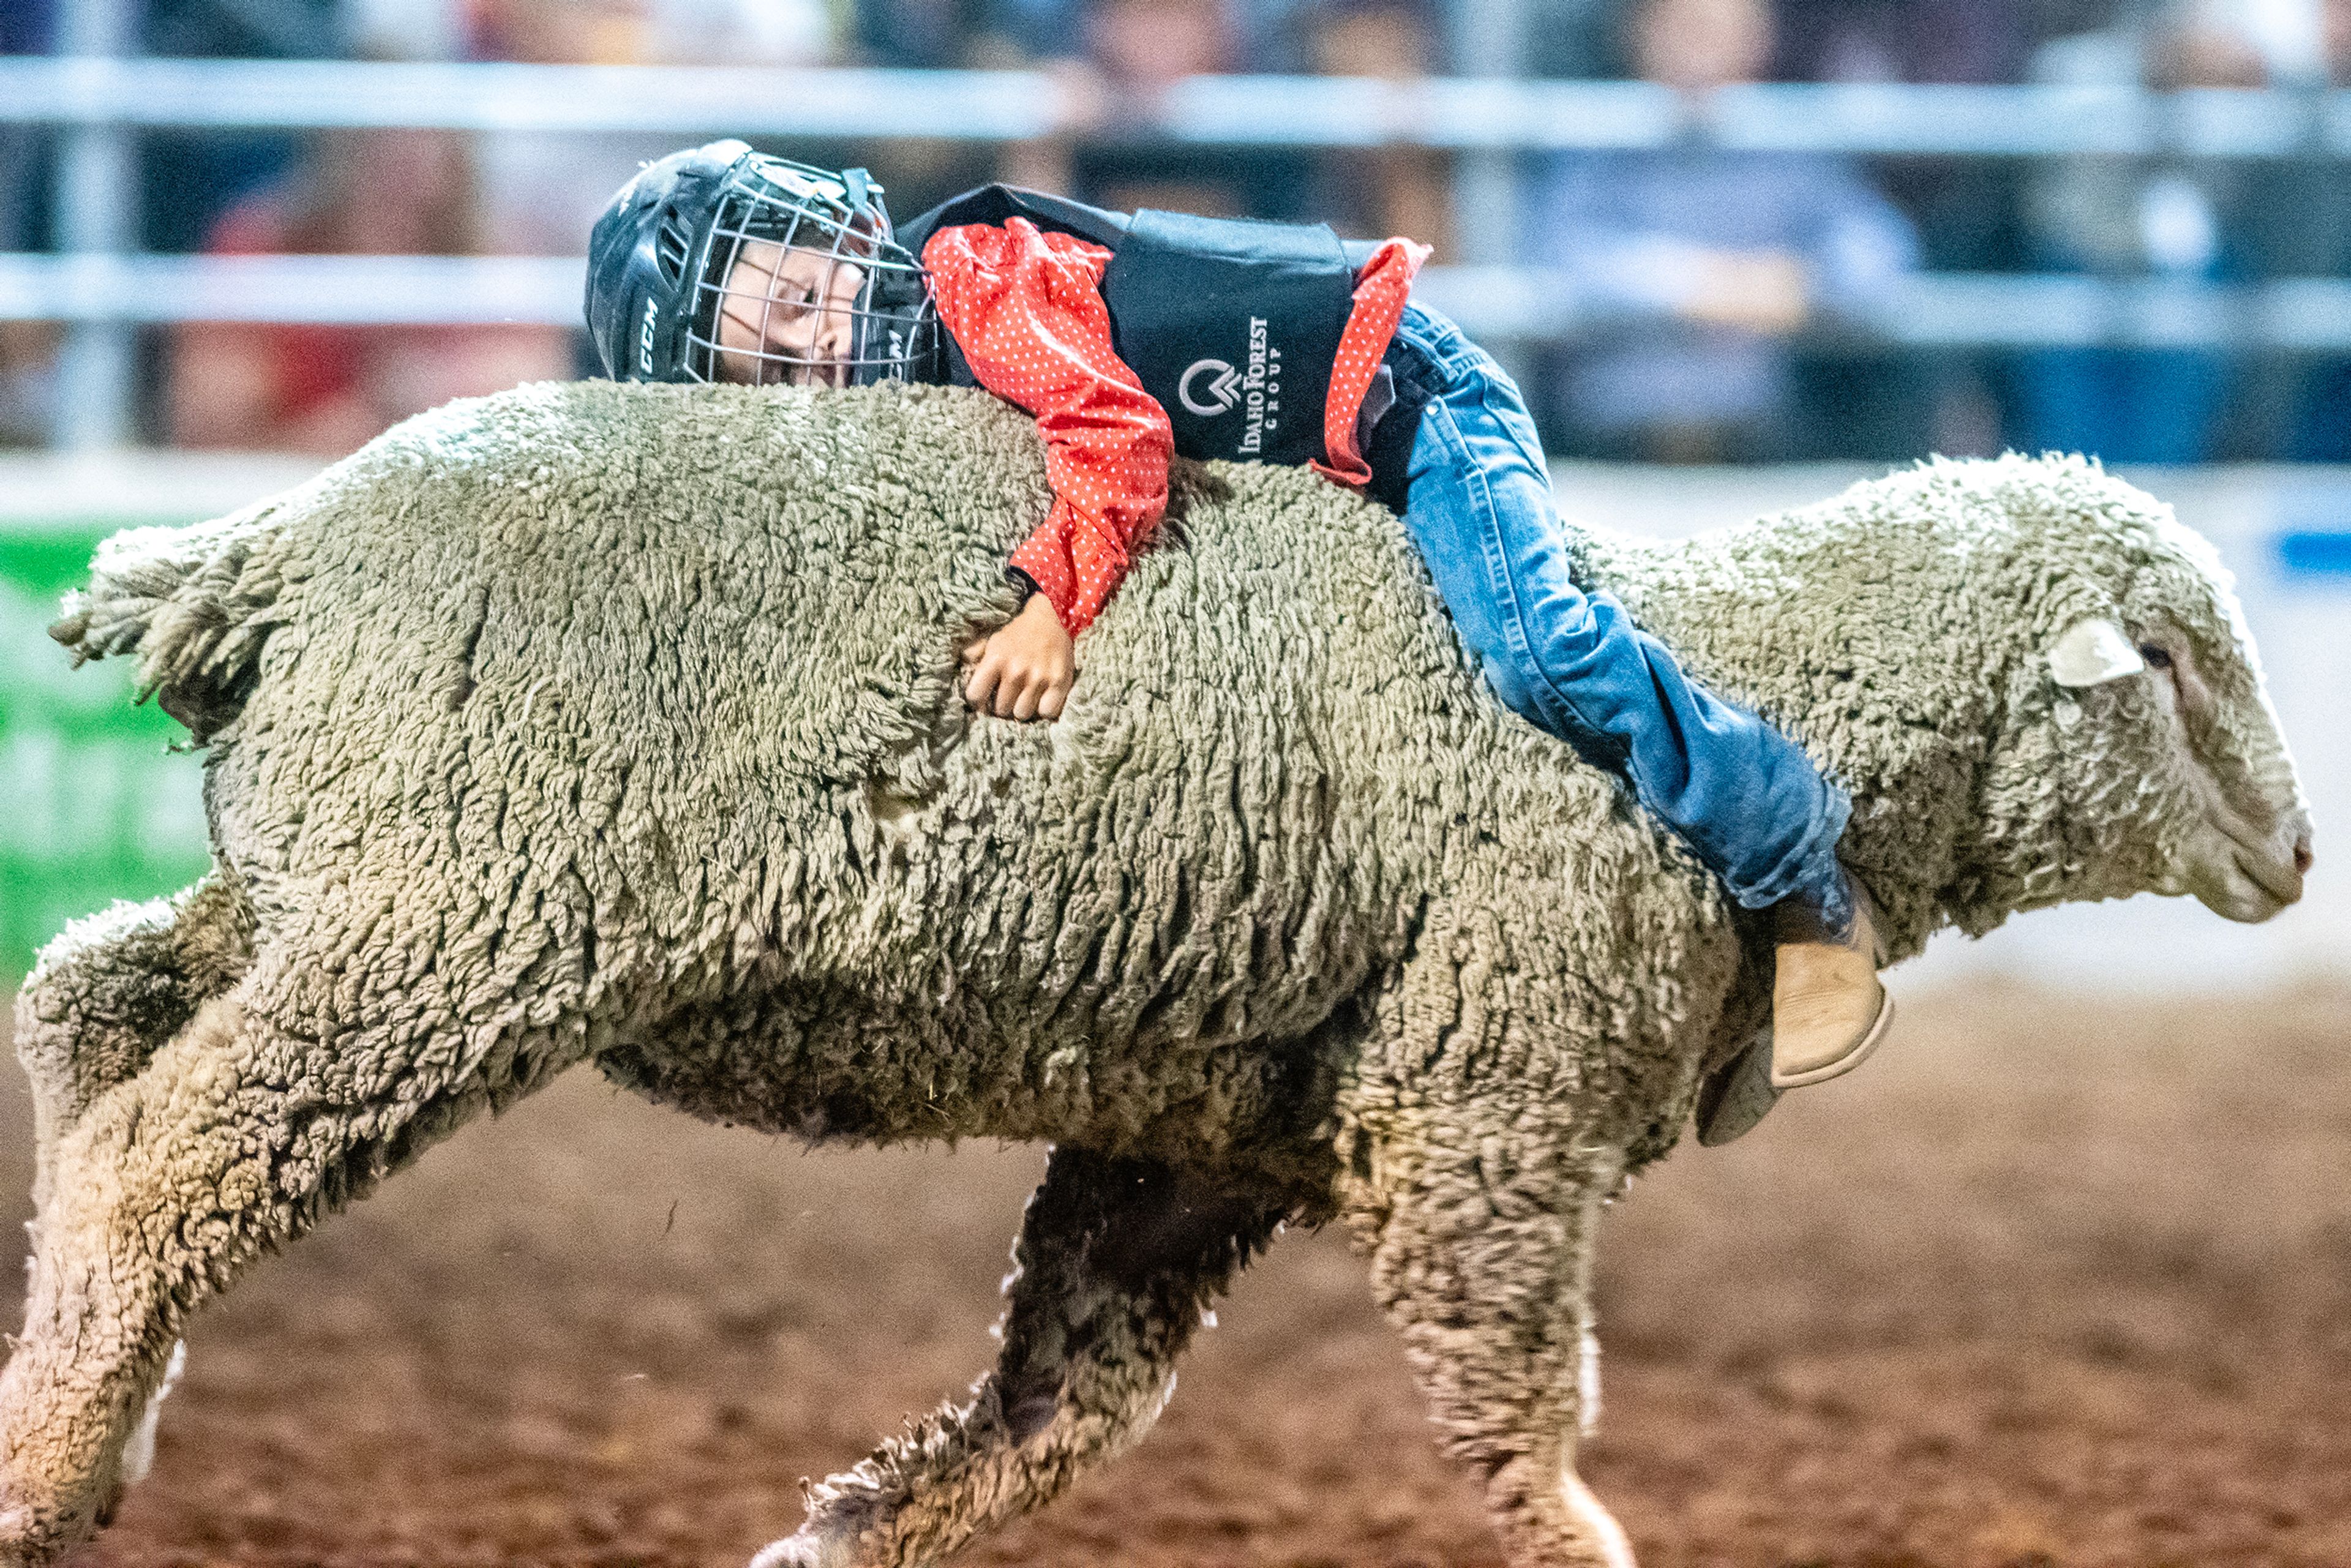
(793, 305)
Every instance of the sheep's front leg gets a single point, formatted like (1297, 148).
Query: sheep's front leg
(103, 1000)
(114, 990)
(1116, 1262)
(133, 1187)
(1484, 1263)
(229, 1142)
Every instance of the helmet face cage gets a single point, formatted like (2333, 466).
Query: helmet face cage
(837, 302)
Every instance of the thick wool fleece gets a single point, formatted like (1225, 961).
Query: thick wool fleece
(593, 721)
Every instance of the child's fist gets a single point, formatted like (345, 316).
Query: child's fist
(1024, 668)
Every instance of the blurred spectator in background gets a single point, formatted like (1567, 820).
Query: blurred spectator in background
(326, 390)
(1373, 193)
(543, 189)
(26, 26)
(651, 32)
(2167, 218)
(557, 32)
(189, 178)
(950, 35)
(1130, 54)
(404, 29)
(1900, 40)
(958, 34)
(1964, 209)
(28, 350)
(1697, 264)
(1570, 37)
(2312, 234)
(28, 368)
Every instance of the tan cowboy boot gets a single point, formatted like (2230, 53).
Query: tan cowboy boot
(1828, 1010)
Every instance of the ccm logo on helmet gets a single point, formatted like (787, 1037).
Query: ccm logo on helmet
(645, 338)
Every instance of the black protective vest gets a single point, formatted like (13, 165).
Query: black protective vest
(1232, 325)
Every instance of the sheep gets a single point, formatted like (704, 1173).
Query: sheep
(617, 724)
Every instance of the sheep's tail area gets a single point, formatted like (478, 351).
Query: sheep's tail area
(195, 604)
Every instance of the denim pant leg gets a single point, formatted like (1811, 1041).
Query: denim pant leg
(1479, 504)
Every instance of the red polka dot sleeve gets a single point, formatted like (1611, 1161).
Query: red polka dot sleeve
(1026, 308)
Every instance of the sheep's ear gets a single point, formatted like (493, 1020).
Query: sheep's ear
(2092, 651)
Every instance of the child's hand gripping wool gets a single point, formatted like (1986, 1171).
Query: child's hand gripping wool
(1024, 668)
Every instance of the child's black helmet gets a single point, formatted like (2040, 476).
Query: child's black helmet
(663, 253)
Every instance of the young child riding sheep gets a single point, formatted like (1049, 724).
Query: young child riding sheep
(1133, 337)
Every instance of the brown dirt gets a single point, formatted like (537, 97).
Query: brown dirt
(2049, 1284)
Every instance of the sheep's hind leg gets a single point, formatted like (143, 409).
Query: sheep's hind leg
(1484, 1264)
(233, 1139)
(1116, 1264)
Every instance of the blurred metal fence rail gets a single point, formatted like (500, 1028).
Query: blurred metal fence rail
(101, 97)
(1502, 303)
(1229, 112)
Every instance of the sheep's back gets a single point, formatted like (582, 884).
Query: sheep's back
(601, 708)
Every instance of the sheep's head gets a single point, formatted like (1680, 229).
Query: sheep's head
(2140, 750)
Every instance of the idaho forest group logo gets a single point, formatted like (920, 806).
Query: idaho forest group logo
(1213, 387)
(1224, 389)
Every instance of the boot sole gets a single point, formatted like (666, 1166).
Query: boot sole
(1868, 1042)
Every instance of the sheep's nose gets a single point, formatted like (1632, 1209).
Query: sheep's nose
(2302, 853)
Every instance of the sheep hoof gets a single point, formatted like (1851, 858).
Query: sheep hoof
(16, 1533)
(1737, 1095)
(138, 1454)
(800, 1551)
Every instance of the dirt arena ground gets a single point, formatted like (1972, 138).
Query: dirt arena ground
(2049, 1284)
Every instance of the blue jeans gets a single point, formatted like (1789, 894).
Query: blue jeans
(1478, 502)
